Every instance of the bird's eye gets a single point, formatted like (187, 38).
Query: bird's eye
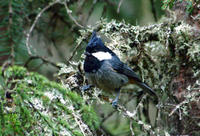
(88, 49)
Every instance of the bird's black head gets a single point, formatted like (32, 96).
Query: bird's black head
(96, 45)
(96, 52)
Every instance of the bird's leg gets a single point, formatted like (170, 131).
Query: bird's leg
(115, 101)
(86, 87)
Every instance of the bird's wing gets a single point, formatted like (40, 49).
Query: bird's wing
(122, 68)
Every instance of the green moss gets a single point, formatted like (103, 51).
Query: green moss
(39, 104)
(12, 124)
(76, 99)
(89, 116)
(15, 72)
(77, 133)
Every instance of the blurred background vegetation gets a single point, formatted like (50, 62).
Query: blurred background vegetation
(54, 35)
(38, 35)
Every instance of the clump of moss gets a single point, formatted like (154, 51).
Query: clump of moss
(36, 106)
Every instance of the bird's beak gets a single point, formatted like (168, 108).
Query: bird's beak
(87, 53)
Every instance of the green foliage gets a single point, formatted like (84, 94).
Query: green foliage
(13, 12)
(38, 106)
(16, 16)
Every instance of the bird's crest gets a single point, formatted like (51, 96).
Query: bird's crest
(95, 40)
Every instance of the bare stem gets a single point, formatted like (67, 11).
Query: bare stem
(34, 23)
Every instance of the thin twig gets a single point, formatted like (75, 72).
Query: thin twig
(34, 23)
(119, 5)
(111, 113)
(75, 49)
(131, 116)
(139, 105)
(83, 127)
(186, 101)
(69, 12)
(178, 106)
(79, 44)
(72, 18)
(131, 128)
(43, 59)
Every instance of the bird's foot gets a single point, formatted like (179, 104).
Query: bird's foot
(114, 104)
(85, 87)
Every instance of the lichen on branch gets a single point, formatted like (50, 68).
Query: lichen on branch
(166, 56)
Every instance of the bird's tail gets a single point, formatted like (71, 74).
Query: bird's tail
(147, 89)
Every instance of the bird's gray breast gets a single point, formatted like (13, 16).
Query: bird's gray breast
(107, 78)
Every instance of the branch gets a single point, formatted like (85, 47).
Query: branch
(140, 38)
(43, 59)
(33, 26)
(119, 5)
(131, 128)
(83, 127)
(34, 23)
(132, 115)
(111, 113)
(70, 15)
(77, 46)
(189, 98)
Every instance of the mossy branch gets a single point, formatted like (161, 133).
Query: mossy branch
(164, 55)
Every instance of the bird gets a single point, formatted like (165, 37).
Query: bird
(104, 69)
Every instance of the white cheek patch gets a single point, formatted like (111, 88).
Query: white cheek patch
(102, 55)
